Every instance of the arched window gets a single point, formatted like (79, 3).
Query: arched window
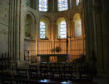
(62, 31)
(62, 5)
(77, 25)
(77, 2)
(43, 5)
(42, 30)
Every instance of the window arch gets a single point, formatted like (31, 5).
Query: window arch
(43, 29)
(77, 25)
(62, 30)
(62, 5)
(43, 5)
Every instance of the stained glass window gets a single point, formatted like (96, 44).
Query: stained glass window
(62, 30)
(43, 5)
(77, 2)
(62, 5)
(42, 30)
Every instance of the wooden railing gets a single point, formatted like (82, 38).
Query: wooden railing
(75, 47)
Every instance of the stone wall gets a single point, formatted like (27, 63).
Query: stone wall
(26, 43)
(4, 16)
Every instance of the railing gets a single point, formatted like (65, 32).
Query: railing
(4, 61)
(75, 47)
(30, 55)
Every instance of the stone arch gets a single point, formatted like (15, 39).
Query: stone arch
(29, 26)
(26, 42)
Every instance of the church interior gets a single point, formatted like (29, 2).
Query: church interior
(54, 42)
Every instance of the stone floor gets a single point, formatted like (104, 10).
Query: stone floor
(95, 81)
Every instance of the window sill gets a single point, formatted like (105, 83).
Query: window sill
(62, 38)
(46, 38)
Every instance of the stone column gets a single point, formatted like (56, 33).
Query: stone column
(105, 29)
(91, 38)
(14, 30)
(94, 33)
(88, 21)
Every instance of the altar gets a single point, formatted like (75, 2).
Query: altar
(53, 57)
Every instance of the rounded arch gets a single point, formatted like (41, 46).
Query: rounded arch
(60, 19)
(29, 25)
(77, 16)
(77, 25)
(44, 19)
(32, 13)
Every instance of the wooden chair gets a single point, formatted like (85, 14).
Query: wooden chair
(21, 76)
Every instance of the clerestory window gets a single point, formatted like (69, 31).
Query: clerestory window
(62, 5)
(43, 5)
